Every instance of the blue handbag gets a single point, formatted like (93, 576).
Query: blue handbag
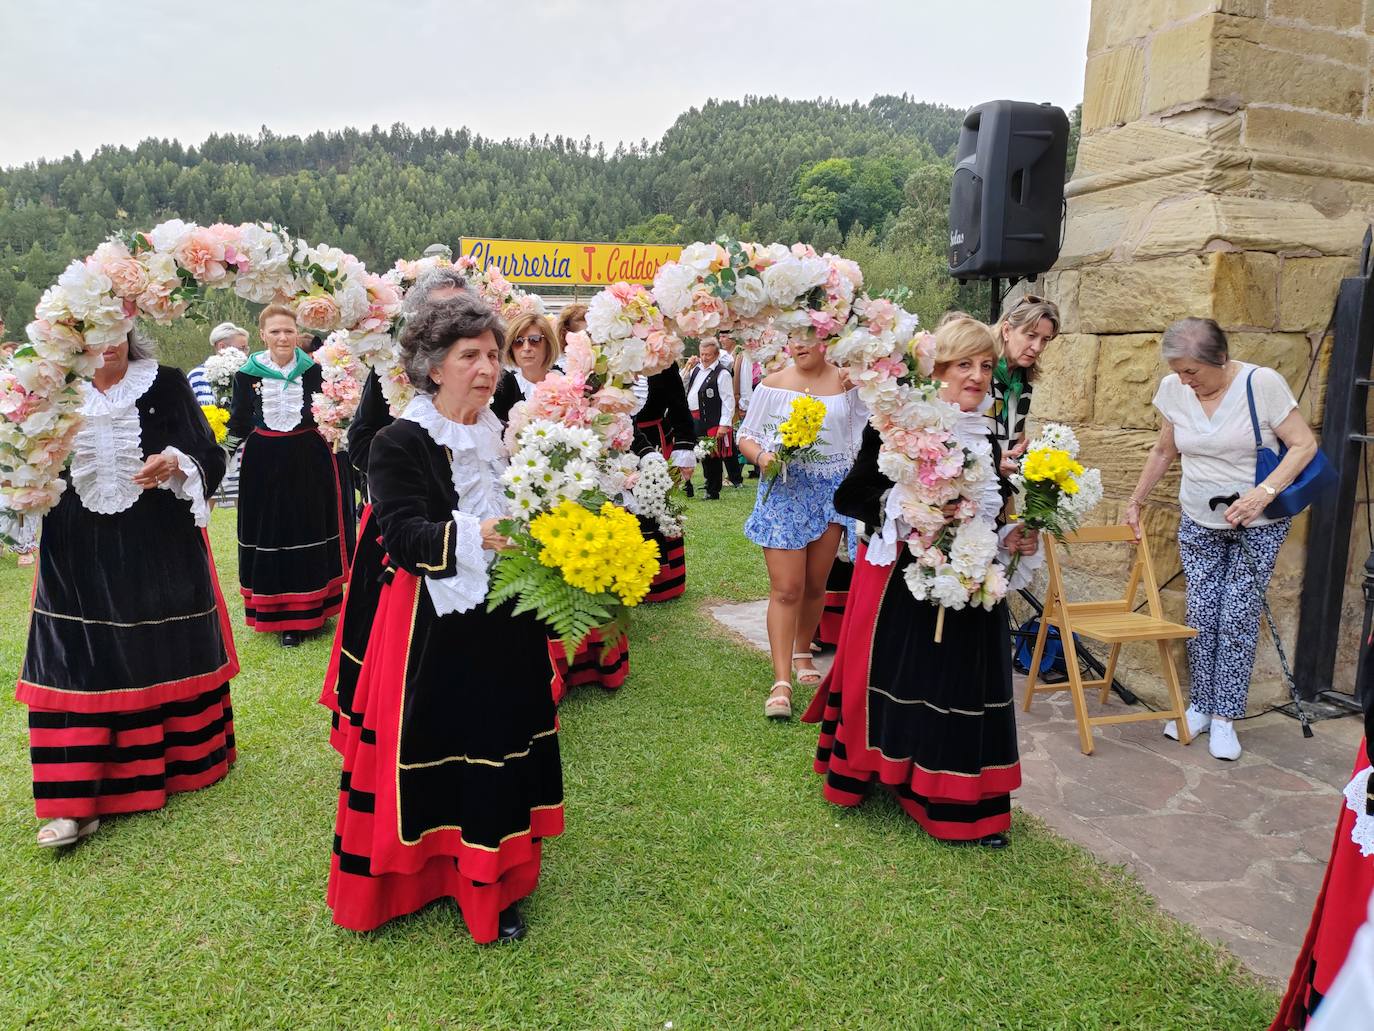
(1317, 478)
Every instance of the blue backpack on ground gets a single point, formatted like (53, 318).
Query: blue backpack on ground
(1053, 658)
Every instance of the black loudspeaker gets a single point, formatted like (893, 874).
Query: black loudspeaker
(1006, 205)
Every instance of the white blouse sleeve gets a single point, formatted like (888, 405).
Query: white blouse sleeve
(759, 422)
(467, 587)
(187, 484)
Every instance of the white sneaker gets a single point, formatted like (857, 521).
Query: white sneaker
(1198, 723)
(1224, 743)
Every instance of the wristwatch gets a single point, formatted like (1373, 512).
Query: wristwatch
(1267, 489)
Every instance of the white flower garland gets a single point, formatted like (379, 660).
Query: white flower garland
(160, 274)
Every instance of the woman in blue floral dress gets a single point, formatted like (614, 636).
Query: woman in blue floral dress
(796, 523)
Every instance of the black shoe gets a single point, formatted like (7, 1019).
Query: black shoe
(712, 497)
(510, 925)
(993, 841)
(688, 489)
(290, 639)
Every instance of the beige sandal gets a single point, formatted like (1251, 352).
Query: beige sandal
(65, 831)
(779, 707)
(806, 677)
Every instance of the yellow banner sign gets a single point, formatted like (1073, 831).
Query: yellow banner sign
(548, 263)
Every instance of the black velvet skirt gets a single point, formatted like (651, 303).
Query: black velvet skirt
(127, 611)
(292, 558)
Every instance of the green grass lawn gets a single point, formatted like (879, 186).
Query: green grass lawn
(702, 881)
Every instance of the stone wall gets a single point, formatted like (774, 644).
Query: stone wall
(1226, 169)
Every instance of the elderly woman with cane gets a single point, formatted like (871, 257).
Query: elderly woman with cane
(1211, 410)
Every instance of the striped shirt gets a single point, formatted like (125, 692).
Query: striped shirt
(200, 386)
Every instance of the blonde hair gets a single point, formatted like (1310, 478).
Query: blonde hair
(572, 313)
(273, 310)
(1027, 311)
(959, 335)
(530, 320)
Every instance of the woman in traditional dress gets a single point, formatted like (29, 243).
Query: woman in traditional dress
(130, 652)
(369, 557)
(836, 598)
(794, 517)
(933, 721)
(1345, 893)
(1024, 332)
(533, 352)
(452, 778)
(292, 558)
(664, 423)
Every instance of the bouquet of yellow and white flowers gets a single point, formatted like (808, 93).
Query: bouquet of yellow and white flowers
(798, 438)
(1056, 490)
(577, 560)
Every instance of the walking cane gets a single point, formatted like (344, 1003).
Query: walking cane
(1227, 502)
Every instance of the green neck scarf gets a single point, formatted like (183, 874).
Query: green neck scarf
(258, 365)
(1012, 380)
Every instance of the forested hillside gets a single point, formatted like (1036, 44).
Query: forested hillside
(871, 179)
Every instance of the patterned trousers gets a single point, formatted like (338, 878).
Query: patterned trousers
(1225, 593)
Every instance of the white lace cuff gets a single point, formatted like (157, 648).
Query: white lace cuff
(467, 587)
(882, 545)
(1026, 566)
(685, 459)
(187, 484)
(1362, 833)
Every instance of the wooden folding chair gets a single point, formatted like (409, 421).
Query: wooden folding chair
(1112, 622)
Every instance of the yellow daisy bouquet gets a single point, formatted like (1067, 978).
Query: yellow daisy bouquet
(218, 418)
(798, 436)
(577, 568)
(1056, 490)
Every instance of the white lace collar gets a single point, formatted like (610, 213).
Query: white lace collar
(108, 449)
(477, 455)
(482, 436)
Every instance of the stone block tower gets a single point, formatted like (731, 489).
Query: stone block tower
(1226, 169)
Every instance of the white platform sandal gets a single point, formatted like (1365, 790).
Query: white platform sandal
(806, 677)
(779, 706)
(65, 831)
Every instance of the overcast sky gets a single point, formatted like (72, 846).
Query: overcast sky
(81, 73)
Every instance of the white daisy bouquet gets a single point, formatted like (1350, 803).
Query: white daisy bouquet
(577, 560)
(655, 494)
(219, 371)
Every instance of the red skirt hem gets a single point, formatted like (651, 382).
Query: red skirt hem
(41, 697)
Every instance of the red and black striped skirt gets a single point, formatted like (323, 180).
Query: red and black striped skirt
(836, 596)
(671, 580)
(411, 831)
(365, 580)
(99, 763)
(932, 722)
(293, 561)
(597, 663)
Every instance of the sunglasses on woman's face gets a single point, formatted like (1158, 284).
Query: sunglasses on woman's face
(534, 340)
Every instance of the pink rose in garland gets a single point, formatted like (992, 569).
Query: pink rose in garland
(160, 274)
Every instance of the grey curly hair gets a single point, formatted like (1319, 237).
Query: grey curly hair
(436, 327)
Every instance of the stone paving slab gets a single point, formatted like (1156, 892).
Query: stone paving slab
(1237, 850)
